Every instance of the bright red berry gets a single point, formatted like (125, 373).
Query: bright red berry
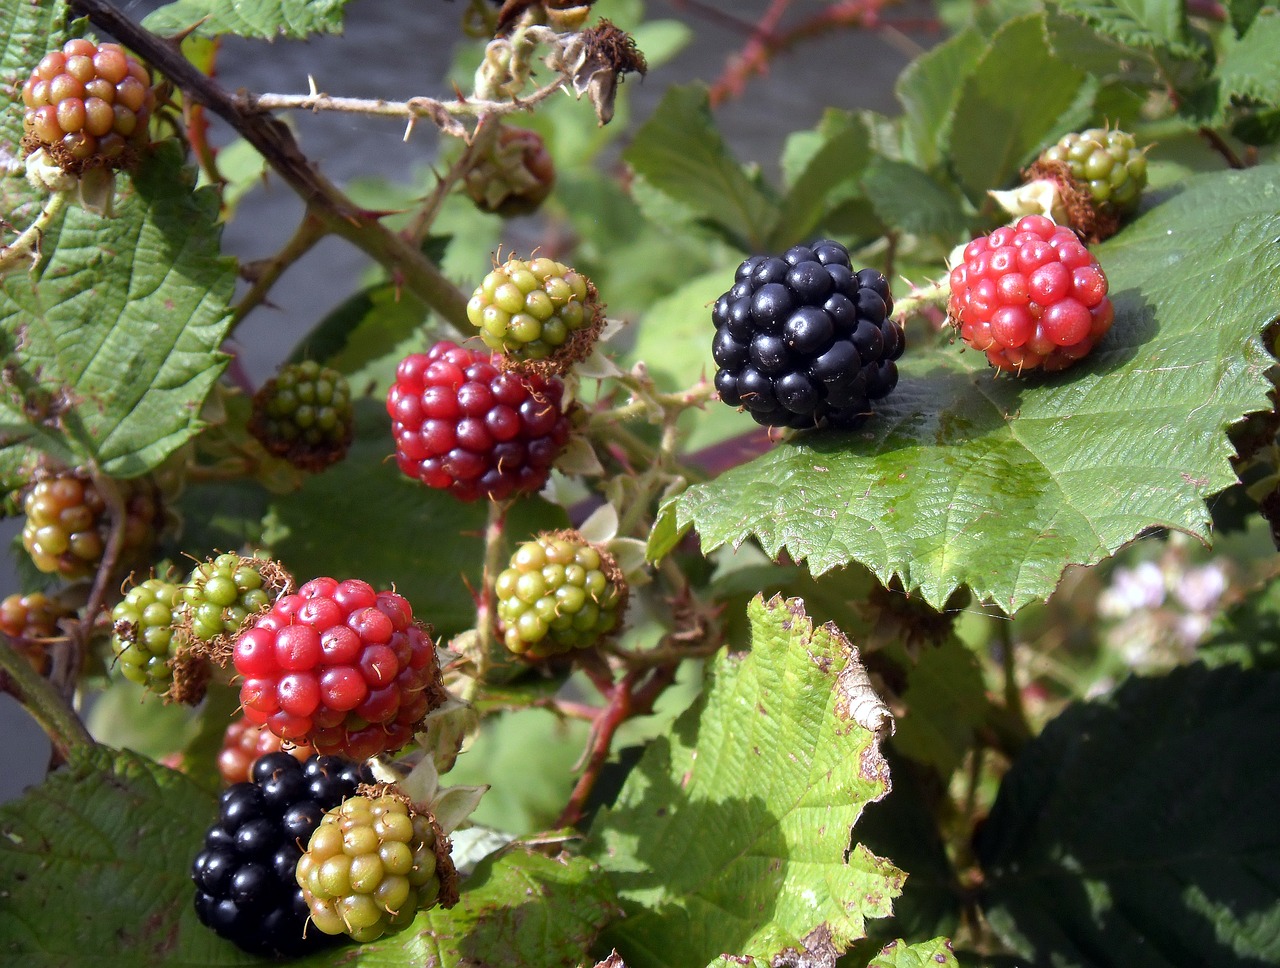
(1030, 296)
(463, 424)
(341, 667)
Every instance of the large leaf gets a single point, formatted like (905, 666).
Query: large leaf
(27, 31)
(265, 19)
(680, 152)
(1250, 69)
(823, 169)
(732, 834)
(120, 325)
(945, 702)
(1140, 830)
(910, 200)
(1000, 483)
(364, 513)
(97, 860)
(1156, 25)
(1000, 119)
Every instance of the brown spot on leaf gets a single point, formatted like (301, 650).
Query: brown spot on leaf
(819, 951)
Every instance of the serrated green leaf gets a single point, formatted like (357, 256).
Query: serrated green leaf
(1000, 120)
(681, 153)
(264, 19)
(97, 859)
(27, 32)
(927, 89)
(519, 908)
(926, 954)
(1250, 68)
(732, 833)
(910, 200)
(1140, 830)
(122, 322)
(1156, 25)
(1242, 12)
(363, 510)
(999, 484)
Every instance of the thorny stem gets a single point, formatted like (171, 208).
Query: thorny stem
(934, 294)
(42, 701)
(413, 109)
(263, 274)
(424, 218)
(26, 247)
(275, 142)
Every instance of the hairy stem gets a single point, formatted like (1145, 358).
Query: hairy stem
(41, 700)
(275, 142)
(26, 247)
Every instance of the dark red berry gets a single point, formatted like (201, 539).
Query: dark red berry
(463, 424)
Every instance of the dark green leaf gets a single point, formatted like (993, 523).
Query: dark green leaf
(1001, 120)
(826, 167)
(999, 484)
(732, 833)
(1140, 830)
(910, 200)
(1242, 12)
(680, 152)
(363, 510)
(97, 859)
(945, 701)
(122, 325)
(928, 89)
(265, 19)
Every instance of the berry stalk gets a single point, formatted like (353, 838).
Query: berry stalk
(26, 247)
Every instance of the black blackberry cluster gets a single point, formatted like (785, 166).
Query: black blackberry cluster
(803, 340)
(246, 881)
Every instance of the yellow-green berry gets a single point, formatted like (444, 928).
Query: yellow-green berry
(536, 310)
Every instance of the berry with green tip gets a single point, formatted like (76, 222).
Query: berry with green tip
(30, 622)
(220, 595)
(87, 105)
(559, 593)
(304, 415)
(144, 635)
(372, 864)
(536, 310)
(514, 176)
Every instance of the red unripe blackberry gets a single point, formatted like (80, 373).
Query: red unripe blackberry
(463, 424)
(372, 864)
(245, 875)
(559, 593)
(515, 176)
(30, 622)
(304, 415)
(1030, 296)
(67, 526)
(341, 667)
(243, 744)
(86, 105)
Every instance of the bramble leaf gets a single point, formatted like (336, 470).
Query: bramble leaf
(263, 19)
(1140, 830)
(963, 478)
(118, 329)
(732, 833)
(926, 954)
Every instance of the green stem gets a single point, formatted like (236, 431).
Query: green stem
(934, 294)
(310, 231)
(26, 247)
(42, 701)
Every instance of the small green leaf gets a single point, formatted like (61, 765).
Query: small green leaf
(1001, 120)
(928, 90)
(825, 168)
(680, 152)
(999, 484)
(926, 954)
(1140, 830)
(264, 19)
(732, 833)
(910, 200)
(121, 324)
(1156, 25)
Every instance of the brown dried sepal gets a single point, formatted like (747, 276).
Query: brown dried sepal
(595, 59)
(191, 675)
(125, 160)
(1083, 215)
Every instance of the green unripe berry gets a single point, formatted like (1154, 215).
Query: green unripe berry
(304, 415)
(144, 634)
(529, 310)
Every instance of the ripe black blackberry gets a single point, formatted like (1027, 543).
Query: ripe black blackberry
(804, 340)
(245, 877)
